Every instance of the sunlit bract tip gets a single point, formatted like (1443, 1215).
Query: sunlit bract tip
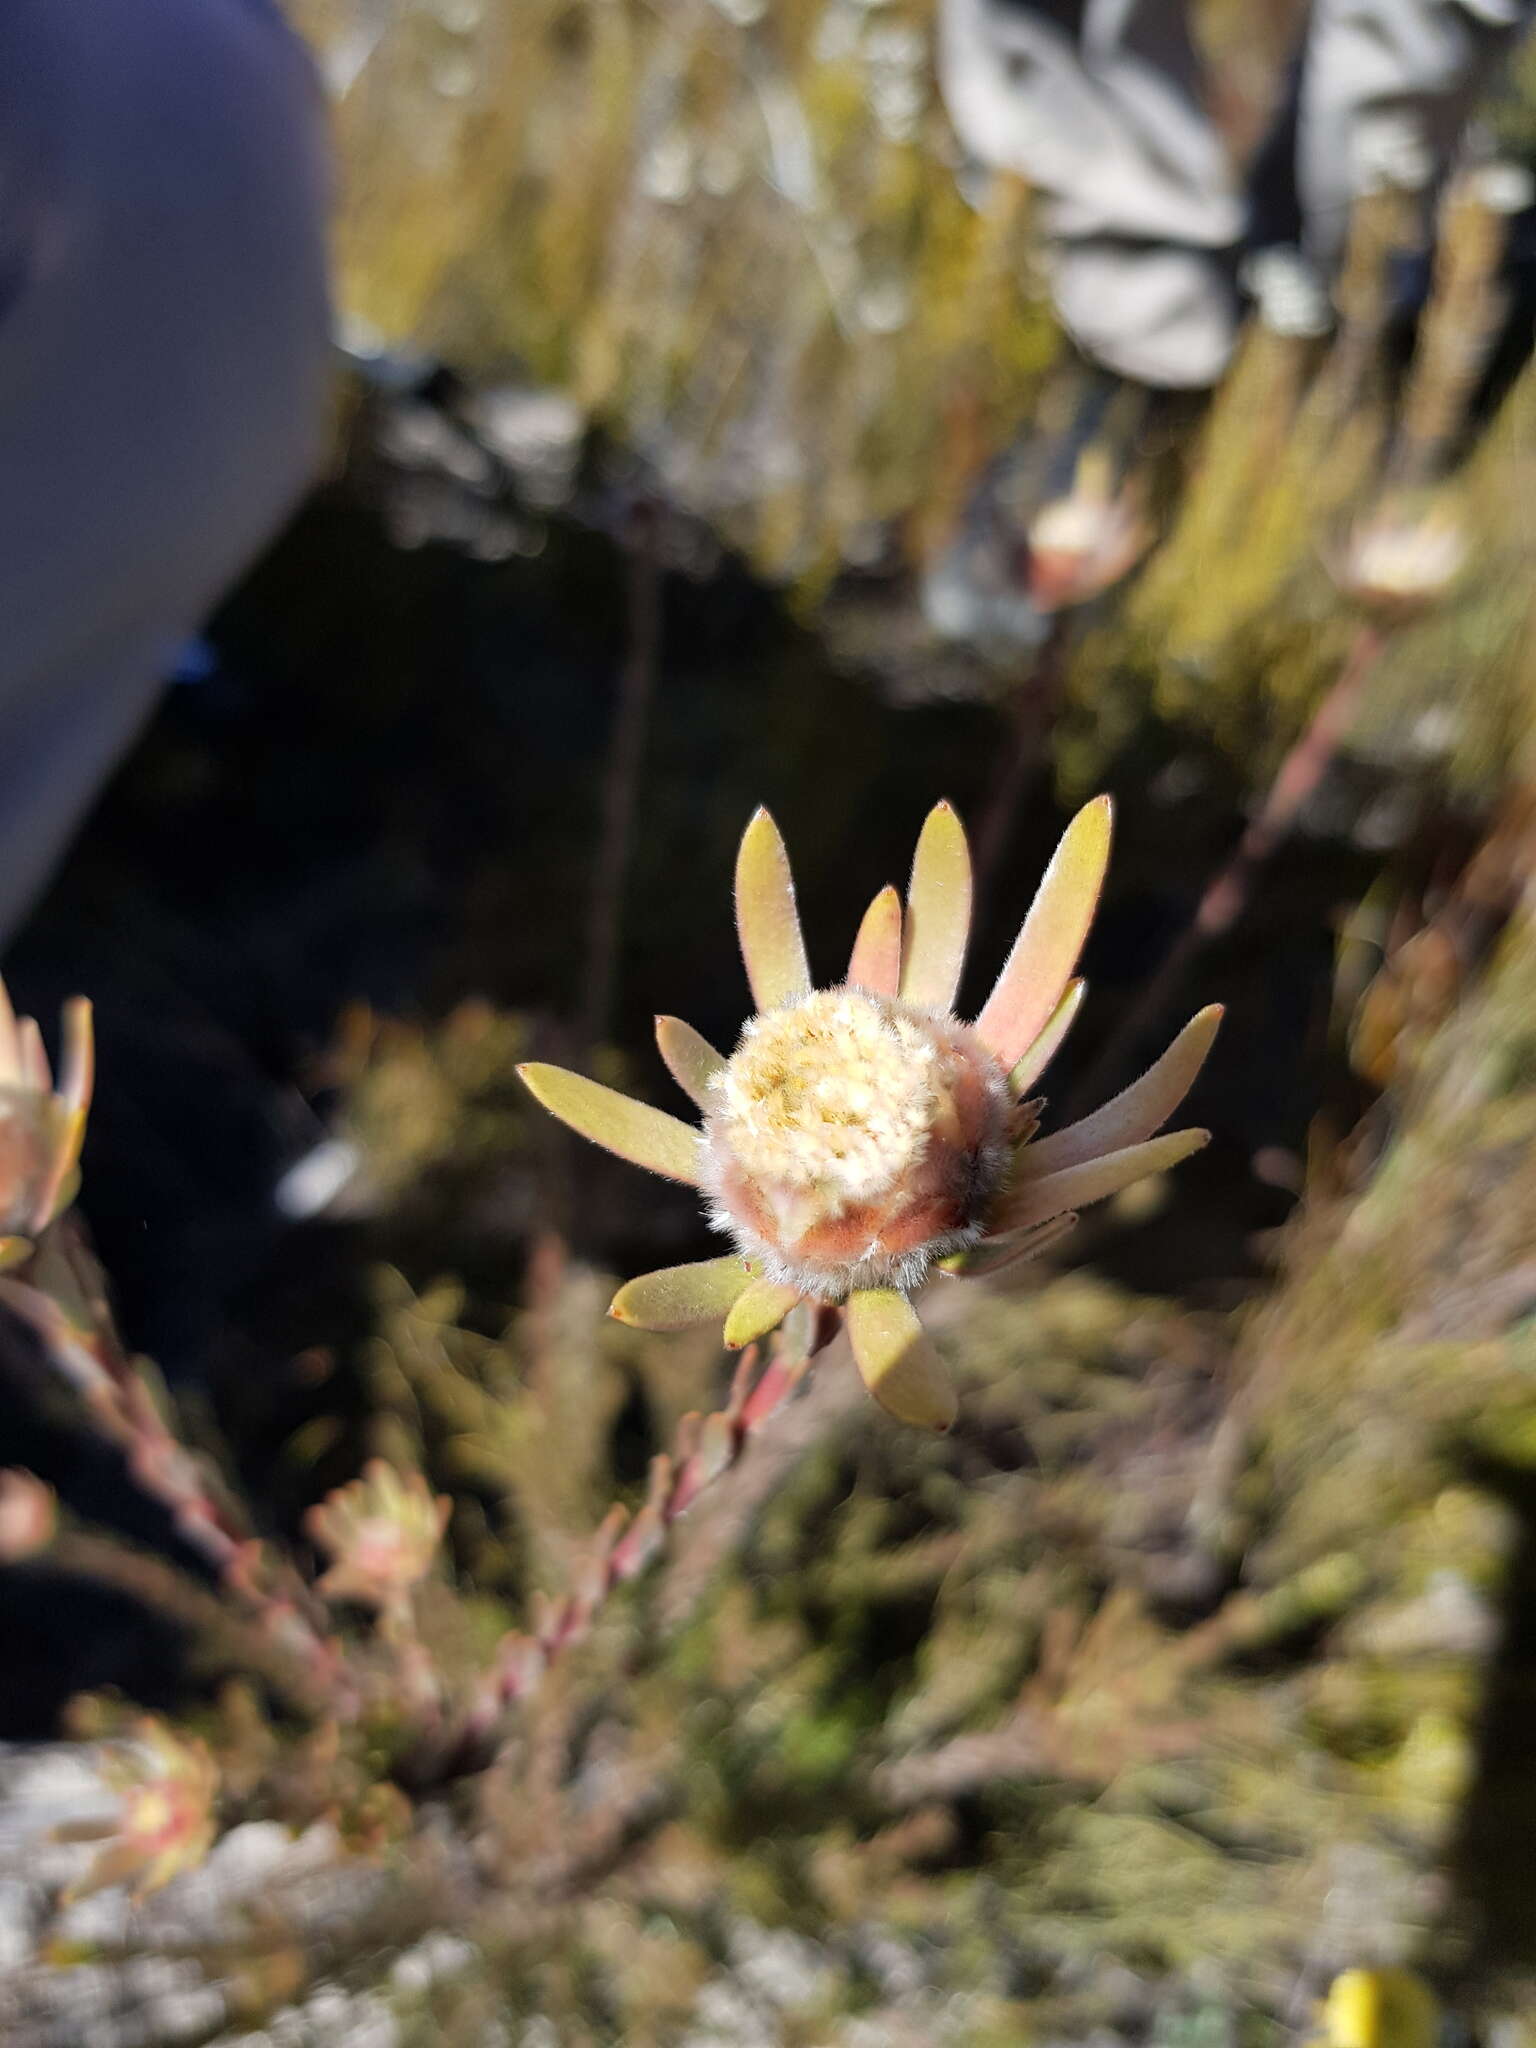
(1037, 970)
(689, 1057)
(634, 1130)
(760, 1308)
(41, 1129)
(676, 1297)
(896, 1360)
(875, 964)
(938, 921)
(767, 921)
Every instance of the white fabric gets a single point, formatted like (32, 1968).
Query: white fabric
(1103, 116)
(1153, 312)
(1099, 105)
(1386, 89)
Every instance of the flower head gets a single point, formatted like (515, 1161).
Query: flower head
(41, 1131)
(861, 1136)
(165, 1823)
(381, 1532)
(29, 1515)
(852, 1139)
(1403, 559)
(1081, 544)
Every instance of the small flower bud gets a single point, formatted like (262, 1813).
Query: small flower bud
(28, 1516)
(1081, 544)
(167, 1788)
(382, 1532)
(1400, 562)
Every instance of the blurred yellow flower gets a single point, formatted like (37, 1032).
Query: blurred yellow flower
(168, 1786)
(1388, 2008)
(1403, 559)
(382, 1532)
(41, 1131)
(1083, 543)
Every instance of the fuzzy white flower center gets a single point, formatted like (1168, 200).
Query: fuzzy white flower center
(379, 1545)
(1404, 560)
(1072, 526)
(836, 1093)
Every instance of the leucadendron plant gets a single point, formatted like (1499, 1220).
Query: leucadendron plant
(41, 1127)
(862, 1137)
(381, 1533)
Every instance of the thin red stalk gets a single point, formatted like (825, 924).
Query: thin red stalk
(705, 1448)
(118, 1405)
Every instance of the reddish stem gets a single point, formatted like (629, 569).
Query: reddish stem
(118, 1405)
(705, 1448)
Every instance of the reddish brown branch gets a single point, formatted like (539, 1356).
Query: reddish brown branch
(706, 1447)
(62, 1301)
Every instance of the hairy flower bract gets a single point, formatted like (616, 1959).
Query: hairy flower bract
(862, 1135)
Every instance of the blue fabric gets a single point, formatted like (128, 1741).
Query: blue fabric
(164, 363)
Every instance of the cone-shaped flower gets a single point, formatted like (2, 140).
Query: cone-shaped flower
(381, 1532)
(861, 1135)
(165, 1822)
(1404, 558)
(1083, 543)
(41, 1131)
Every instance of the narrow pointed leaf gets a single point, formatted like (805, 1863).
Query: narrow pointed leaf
(876, 962)
(33, 1056)
(690, 1058)
(767, 922)
(896, 1361)
(1045, 1048)
(646, 1136)
(1044, 954)
(1074, 1187)
(77, 1065)
(77, 1080)
(678, 1296)
(761, 1308)
(1137, 1111)
(62, 1181)
(938, 912)
(10, 1049)
(999, 1253)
